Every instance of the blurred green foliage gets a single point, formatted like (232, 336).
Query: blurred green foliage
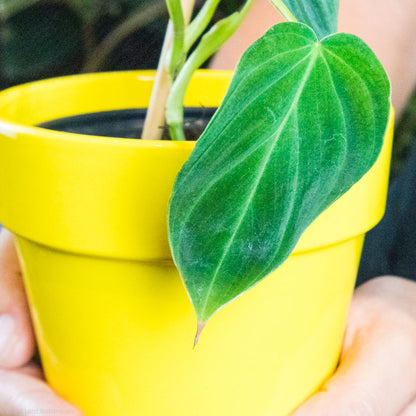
(43, 38)
(46, 38)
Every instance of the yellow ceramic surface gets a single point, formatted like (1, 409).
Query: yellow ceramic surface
(114, 324)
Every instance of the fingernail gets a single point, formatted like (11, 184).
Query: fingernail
(6, 332)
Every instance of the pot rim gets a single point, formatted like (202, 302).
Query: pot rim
(11, 126)
(63, 214)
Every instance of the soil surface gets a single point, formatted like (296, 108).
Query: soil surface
(127, 123)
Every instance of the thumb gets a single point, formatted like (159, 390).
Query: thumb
(23, 395)
(377, 372)
(17, 341)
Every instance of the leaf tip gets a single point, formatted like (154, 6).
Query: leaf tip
(200, 326)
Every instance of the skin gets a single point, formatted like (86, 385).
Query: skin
(376, 375)
(377, 371)
(22, 387)
(387, 26)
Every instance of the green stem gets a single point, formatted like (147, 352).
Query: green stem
(209, 44)
(200, 22)
(284, 11)
(178, 51)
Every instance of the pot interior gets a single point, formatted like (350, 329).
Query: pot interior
(127, 123)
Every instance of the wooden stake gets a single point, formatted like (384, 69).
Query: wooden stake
(155, 118)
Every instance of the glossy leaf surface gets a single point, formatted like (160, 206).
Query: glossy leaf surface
(303, 120)
(320, 15)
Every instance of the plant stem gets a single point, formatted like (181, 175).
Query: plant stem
(284, 11)
(178, 24)
(199, 24)
(209, 44)
(155, 118)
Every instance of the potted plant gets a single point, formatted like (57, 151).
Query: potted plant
(302, 121)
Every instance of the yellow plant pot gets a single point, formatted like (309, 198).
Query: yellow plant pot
(114, 324)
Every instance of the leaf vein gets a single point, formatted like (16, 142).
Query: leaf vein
(243, 157)
(369, 94)
(259, 176)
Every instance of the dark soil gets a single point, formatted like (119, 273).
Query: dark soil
(127, 123)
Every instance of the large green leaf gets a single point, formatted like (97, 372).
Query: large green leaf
(303, 120)
(320, 15)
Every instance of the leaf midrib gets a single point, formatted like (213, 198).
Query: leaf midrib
(314, 54)
(244, 156)
(235, 88)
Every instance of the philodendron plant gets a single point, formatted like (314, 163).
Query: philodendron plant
(303, 120)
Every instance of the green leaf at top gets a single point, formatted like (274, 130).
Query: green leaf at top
(303, 120)
(320, 15)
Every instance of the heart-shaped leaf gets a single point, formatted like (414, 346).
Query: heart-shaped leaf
(320, 15)
(303, 120)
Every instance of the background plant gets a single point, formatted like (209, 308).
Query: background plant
(44, 38)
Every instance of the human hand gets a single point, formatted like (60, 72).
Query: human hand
(377, 371)
(376, 376)
(23, 391)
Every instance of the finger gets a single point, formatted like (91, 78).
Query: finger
(17, 341)
(410, 409)
(22, 395)
(377, 374)
(31, 369)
